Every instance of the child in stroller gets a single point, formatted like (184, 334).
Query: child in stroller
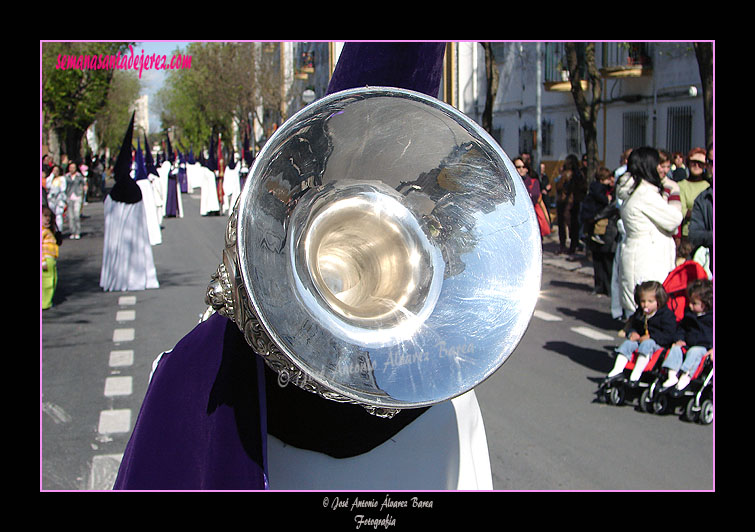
(651, 327)
(697, 330)
(690, 359)
(646, 370)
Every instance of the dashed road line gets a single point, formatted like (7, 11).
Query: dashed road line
(547, 317)
(123, 335)
(589, 332)
(104, 467)
(114, 421)
(115, 386)
(121, 358)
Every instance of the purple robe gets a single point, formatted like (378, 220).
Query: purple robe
(202, 422)
(171, 202)
(182, 179)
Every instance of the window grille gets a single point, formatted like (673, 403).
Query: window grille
(526, 139)
(635, 129)
(679, 129)
(547, 140)
(573, 136)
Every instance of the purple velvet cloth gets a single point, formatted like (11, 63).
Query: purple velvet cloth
(202, 424)
(416, 66)
(183, 181)
(171, 202)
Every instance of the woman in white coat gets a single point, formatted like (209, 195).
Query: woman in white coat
(649, 222)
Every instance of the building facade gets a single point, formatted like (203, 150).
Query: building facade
(651, 92)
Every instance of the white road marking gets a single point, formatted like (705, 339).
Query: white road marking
(127, 300)
(118, 386)
(125, 315)
(121, 358)
(547, 317)
(114, 421)
(591, 333)
(123, 335)
(104, 471)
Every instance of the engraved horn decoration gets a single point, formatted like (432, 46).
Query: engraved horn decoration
(383, 252)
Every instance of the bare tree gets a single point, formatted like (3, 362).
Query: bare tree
(704, 53)
(491, 73)
(580, 59)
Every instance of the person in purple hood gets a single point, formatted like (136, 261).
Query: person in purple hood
(215, 418)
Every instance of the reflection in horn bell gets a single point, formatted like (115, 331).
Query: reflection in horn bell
(382, 229)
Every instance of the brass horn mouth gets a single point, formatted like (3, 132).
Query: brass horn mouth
(384, 251)
(363, 265)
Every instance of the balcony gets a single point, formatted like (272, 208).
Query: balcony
(618, 60)
(556, 71)
(626, 60)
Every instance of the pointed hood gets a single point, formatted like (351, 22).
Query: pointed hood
(247, 153)
(148, 161)
(169, 150)
(140, 169)
(125, 189)
(212, 163)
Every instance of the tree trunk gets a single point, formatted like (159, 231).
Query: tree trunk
(587, 111)
(704, 53)
(491, 73)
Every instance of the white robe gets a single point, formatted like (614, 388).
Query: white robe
(157, 194)
(150, 211)
(231, 188)
(443, 449)
(208, 201)
(127, 261)
(193, 176)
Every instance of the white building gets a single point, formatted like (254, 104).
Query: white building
(141, 118)
(653, 97)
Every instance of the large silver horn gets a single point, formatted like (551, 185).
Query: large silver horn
(383, 252)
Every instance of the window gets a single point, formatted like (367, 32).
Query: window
(573, 136)
(635, 129)
(526, 139)
(679, 129)
(546, 130)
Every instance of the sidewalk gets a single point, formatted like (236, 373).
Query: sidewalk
(578, 262)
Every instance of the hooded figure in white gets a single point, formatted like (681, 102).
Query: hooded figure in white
(127, 261)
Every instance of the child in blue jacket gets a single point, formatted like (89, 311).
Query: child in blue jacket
(697, 334)
(651, 327)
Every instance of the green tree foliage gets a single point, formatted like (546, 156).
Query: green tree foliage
(73, 94)
(227, 82)
(112, 120)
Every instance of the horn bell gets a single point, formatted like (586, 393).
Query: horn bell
(383, 252)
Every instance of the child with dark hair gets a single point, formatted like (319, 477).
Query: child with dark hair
(651, 327)
(696, 328)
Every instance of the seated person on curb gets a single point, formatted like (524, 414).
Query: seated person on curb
(696, 329)
(651, 327)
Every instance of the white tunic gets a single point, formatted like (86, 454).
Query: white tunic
(150, 211)
(443, 449)
(127, 261)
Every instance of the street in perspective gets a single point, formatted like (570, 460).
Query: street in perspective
(546, 427)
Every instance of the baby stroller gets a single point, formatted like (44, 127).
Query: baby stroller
(646, 389)
(698, 395)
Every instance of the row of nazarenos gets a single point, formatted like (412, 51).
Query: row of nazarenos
(145, 194)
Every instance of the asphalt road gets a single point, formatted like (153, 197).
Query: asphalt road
(545, 429)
